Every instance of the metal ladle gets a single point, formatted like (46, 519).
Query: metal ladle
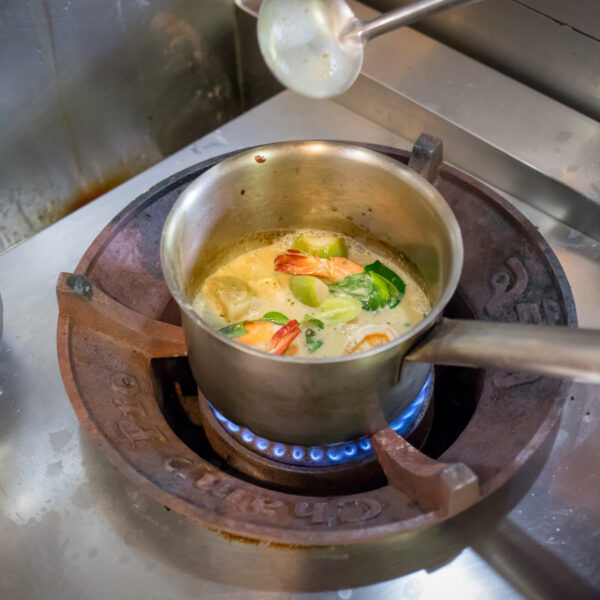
(316, 47)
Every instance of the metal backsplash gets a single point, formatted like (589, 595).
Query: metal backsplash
(94, 92)
(550, 45)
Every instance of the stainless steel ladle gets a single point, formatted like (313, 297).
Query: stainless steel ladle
(316, 47)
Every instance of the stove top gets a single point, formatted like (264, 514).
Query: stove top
(72, 527)
(117, 317)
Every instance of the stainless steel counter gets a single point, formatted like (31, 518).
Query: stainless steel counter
(71, 527)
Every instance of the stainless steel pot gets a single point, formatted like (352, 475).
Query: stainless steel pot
(240, 202)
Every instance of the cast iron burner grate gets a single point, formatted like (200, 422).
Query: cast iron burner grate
(115, 320)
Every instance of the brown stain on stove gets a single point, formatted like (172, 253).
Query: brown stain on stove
(85, 194)
(259, 158)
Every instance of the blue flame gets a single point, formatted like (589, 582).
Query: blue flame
(329, 454)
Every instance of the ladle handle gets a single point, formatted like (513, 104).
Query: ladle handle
(547, 350)
(404, 16)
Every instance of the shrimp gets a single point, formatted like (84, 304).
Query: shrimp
(284, 337)
(259, 332)
(370, 336)
(277, 339)
(297, 262)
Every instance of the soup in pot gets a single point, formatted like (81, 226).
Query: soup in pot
(312, 294)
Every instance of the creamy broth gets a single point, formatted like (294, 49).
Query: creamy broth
(265, 290)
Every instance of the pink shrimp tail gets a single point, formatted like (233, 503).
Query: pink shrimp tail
(296, 262)
(339, 267)
(284, 337)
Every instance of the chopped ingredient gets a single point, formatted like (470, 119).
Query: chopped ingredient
(296, 262)
(308, 289)
(378, 287)
(379, 268)
(259, 332)
(312, 322)
(283, 338)
(313, 342)
(230, 296)
(370, 336)
(275, 317)
(322, 246)
(234, 330)
(335, 311)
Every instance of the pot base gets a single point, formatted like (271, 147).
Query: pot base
(342, 468)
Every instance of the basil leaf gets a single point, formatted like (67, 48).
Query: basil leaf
(275, 317)
(393, 278)
(373, 288)
(238, 329)
(234, 330)
(312, 341)
(358, 286)
(388, 295)
(308, 320)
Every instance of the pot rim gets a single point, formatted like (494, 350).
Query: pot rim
(326, 147)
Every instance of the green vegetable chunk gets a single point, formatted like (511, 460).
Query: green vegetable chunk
(275, 317)
(312, 341)
(308, 289)
(234, 330)
(322, 246)
(334, 311)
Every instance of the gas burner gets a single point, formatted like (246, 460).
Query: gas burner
(330, 454)
(117, 316)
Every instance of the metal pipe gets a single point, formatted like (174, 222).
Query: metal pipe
(404, 16)
(547, 350)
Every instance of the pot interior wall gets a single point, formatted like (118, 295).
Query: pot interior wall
(243, 201)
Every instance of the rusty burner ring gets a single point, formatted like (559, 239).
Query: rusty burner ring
(114, 318)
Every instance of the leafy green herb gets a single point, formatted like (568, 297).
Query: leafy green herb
(275, 317)
(313, 343)
(393, 278)
(378, 287)
(387, 294)
(238, 329)
(234, 330)
(358, 287)
(313, 322)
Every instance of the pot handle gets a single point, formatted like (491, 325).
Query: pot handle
(546, 350)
